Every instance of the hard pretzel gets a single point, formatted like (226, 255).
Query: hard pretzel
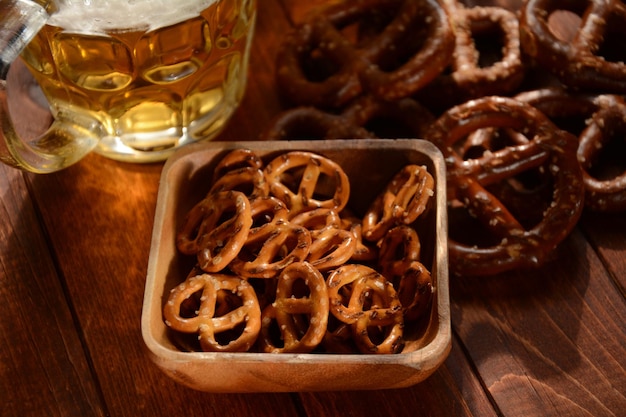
(409, 49)
(399, 262)
(331, 246)
(212, 318)
(361, 297)
(605, 183)
(317, 181)
(310, 123)
(248, 180)
(364, 250)
(235, 159)
(402, 201)
(290, 305)
(608, 124)
(402, 118)
(272, 244)
(471, 75)
(547, 149)
(216, 229)
(583, 62)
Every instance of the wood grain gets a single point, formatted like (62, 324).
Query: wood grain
(73, 255)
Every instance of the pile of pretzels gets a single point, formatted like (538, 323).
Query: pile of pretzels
(281, 263)
(528, 113)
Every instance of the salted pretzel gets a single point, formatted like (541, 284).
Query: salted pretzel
(215, 229)
(546, 149)
(318, 181)
(297, 335)
(250, 181)
(331, 245)
(606, 189)
(364, 250)
(471, 75)
(402, 118)
(363, 298)
(402, 201)
(235, 159)
(272, 243)
(365, 117)
(213, 318)
(318, 220)
(399, 262)
(586, 61)
(407, 50)
(605, 182)
(300, 123)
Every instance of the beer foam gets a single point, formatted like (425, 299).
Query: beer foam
(100, 16)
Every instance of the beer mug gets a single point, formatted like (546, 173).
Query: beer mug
(129, 79)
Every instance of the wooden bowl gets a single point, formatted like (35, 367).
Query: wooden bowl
(369, 164)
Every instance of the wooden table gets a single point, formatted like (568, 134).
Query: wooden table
(73, 255)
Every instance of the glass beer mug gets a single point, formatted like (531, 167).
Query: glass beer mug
(129, 79)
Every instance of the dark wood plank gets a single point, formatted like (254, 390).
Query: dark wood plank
(607, 234)
(102, 243)
(453, 390)
(548, 342)
(43, 368)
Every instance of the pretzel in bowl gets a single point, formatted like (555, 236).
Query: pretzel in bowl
(399, 262)
(364, 299)
(398, 48)
(248, 180)
(331, 245)
(272, 243)
(215, 229)
(297, 335)
(236, 159)
(318, 182)
(588, 61)
(500, 241)
(214, 319)
(402, 201)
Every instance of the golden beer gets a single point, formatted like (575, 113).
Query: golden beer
(144, 76)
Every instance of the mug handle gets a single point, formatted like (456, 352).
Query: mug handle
(64, 143)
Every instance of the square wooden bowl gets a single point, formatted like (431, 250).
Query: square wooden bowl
(369, 164)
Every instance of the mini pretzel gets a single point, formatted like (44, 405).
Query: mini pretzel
(469, 77)
(267, 251)
(361, 282)
(236, 159)
(394, 63)
(579, 62)
(212, 319)
(248, 180)
(403, 200)
(364, 251)
(318, 181)
(290, 304)
(399, 263)
(370, 304)
(216, 229)
(318, 220)
(547, 148)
